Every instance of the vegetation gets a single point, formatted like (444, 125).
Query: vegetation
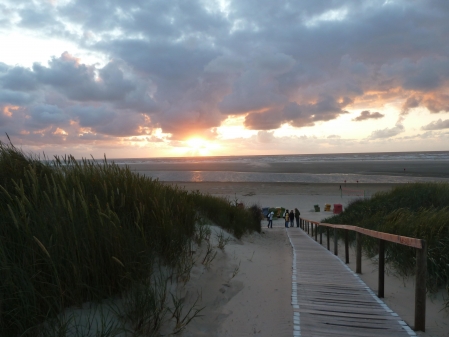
(419, 210)
(77, 231)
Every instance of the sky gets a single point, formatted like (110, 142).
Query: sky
(164, 78)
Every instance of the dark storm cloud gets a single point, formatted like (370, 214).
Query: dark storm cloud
(14, 97)
(18, 79)
(164, 60)
(251, 92)
(268, 120)
(122, 126)
(44, 115)
(89, 116)
(366, 114)
(437, 125)
(78, 81)
(187, 66)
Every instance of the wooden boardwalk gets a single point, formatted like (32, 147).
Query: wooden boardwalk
(329, 299)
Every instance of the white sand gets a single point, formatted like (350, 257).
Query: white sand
(247, 289)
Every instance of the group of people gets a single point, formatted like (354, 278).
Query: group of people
(289, 217)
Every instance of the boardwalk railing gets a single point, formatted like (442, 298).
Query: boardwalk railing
(311, 227)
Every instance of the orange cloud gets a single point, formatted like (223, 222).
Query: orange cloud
(7, 110)
(60, 131)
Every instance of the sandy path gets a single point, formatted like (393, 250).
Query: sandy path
(256, 301)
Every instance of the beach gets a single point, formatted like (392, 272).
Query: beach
(265, 281)
(256, 301)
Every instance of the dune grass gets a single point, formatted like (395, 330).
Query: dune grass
(76, 231)
(419, 210)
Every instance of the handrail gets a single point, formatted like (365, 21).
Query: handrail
(403, 240)
(421, 258)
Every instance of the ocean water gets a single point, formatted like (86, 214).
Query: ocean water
(227, 176)
(255, 161)
(296, 158)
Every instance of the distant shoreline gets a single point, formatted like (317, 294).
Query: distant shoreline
(404, 168)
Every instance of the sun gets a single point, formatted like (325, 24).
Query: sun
(199, 147)
(196, 143)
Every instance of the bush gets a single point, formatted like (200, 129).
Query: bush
(419, 210)
(76, 231)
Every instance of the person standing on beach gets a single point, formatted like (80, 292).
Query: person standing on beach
(291, 217)
(297, 214)
(287, 218)
(270, 220)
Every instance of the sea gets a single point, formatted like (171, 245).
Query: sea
(180, 175)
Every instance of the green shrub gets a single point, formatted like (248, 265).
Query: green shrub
(419, 210)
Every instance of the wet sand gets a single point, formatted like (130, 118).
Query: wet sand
(249, 189)
(437, 168)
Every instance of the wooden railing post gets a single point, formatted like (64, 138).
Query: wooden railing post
(316, 232)
(420, 287)
(381, 280)
(311, 229)
(346, 246)
(321, 235)
(358, 265)
(335, 242)
(328, 238)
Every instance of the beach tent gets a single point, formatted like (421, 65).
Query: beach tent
(265, 211)
(278, 211)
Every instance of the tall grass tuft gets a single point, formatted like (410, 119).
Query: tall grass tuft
(419, 210)
(227, 214)
(75, 231)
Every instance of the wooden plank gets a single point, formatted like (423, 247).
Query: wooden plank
(331, 300)
(420, 288)
(346, 312)
(310, 329)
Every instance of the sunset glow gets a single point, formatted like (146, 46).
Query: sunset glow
(200, 147)
(224, 77)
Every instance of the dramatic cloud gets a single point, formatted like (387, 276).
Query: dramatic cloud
(437, 125)
(387, 133)
(185, 68)
(366, 114)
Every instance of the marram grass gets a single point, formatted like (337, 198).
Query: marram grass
(76, 231)
(419, 210)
